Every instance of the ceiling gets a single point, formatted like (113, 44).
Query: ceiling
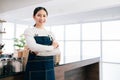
(60, 11)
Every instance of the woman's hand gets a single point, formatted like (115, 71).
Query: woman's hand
(55, 44)
(35, 53)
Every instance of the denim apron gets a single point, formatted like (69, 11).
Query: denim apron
(40, 67)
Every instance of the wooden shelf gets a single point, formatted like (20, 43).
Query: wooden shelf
(2, 32)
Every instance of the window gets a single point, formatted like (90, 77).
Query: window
(72, 32)
(72, 43)
(91, 31)
(72, 51)
(20, 29)
(111, 71)
(9, 47)
(9, 28)
(111, 30)
(91, 40)
(90, 49)
(8, 37)
(58, 32)
(12, 30)
(111, 51)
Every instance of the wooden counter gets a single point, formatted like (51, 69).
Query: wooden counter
(81, 70)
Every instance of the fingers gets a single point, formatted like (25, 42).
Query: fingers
(55, 44)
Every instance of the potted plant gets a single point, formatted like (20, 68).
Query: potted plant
(19, 43)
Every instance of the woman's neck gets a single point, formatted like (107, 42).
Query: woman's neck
(39, 26)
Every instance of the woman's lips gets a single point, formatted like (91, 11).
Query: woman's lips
(41, 21)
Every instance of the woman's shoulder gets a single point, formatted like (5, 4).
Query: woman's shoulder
(29, 30)
(51, 34)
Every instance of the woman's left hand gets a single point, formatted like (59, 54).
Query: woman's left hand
(55, 44)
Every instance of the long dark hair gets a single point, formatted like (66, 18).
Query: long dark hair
(38, 9)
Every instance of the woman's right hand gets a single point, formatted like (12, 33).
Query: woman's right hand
(55, 44)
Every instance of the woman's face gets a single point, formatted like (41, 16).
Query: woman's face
(40, 17)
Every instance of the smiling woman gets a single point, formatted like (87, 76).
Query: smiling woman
(43, 47)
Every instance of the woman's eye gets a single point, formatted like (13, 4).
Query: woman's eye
(44, 15)
(41, 15)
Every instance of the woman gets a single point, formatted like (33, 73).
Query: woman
(43, 47)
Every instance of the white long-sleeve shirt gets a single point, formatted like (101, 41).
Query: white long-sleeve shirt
(43, 50)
